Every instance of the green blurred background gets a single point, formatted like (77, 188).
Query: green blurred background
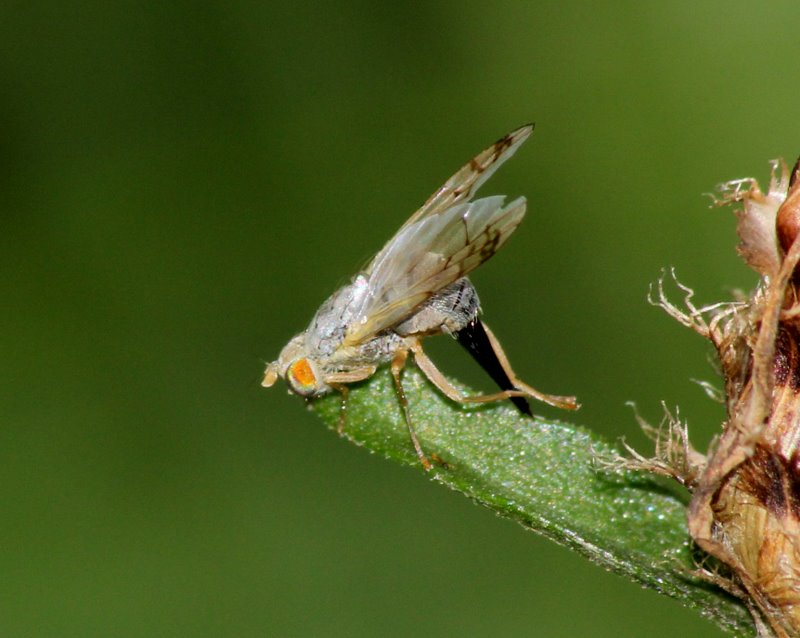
(182, 184)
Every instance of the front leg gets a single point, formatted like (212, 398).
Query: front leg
(338, 381)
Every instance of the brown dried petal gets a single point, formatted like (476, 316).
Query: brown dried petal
(788, 219)
(756, 228)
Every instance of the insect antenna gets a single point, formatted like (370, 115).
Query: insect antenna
(475, 340)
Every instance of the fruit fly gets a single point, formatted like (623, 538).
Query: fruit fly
(416, 286)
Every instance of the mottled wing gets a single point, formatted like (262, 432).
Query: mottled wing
(462, 186)
(428, 255)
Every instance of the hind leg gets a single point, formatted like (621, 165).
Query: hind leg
(451, 392)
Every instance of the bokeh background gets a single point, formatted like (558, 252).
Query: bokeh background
(181, 185)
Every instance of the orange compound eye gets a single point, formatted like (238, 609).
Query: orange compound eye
(302, 376)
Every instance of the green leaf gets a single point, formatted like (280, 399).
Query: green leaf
(545, 475)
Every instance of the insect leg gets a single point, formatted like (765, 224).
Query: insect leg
(567, 403)
(448, 389)
(451, 392)
(398, 363)
(476, 341)
(345, 392)
(338, 381)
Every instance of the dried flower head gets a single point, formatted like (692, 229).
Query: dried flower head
(745, 507)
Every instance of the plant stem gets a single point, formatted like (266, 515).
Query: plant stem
(543, 474)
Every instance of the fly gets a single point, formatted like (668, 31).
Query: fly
(416, 286)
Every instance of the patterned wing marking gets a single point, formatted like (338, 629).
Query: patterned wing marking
(428, 255)
(462, 186)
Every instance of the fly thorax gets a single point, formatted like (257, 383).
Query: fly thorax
(329, 326)
(382, 348)
(449, 310)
